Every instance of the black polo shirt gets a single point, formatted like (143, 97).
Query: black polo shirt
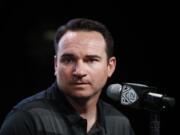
(49, 113)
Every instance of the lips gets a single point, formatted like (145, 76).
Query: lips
(80, 83)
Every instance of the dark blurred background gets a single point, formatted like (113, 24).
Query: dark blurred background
(146, 46)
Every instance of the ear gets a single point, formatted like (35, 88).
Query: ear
(55, 65)
(111, 66)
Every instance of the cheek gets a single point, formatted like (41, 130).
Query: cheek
(100, 74)
(101, 69)
(99, 81)
(63, 73)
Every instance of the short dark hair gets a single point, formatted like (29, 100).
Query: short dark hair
(83, 24)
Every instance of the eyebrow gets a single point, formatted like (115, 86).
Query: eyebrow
(93, 56)
(67, 55)
(87, 56)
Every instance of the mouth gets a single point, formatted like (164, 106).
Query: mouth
(82, 83)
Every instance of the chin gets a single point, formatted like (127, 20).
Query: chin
(81, 94)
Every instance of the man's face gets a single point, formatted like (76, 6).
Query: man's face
(81, 65)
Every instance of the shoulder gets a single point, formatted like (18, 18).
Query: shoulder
(113, 114)
(116, 121)
(110, 110)
(39, 100)
(28, 108)
(31, 102)
(18, 123)
(40, 104)
(37, 104)
(32, 113)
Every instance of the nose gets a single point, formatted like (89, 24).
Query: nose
(79, 70)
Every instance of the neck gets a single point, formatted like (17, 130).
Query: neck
(83, 106)
(87, 108)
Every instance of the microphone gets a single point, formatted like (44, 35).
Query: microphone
(139, 96)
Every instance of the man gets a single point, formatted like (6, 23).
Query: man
(71, 106)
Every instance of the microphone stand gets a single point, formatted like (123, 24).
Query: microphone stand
(154, 122)
(154, 107)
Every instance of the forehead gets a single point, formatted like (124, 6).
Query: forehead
(82, 40)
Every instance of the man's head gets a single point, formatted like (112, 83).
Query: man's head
(81, 24)
(83, 60)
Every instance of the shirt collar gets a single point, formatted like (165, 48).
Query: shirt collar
(69, 112)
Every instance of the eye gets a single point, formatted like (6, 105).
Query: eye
(91, 60)
(67, 60)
